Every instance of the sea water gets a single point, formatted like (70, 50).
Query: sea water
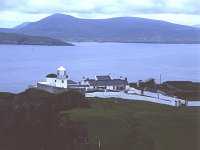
(21, 66)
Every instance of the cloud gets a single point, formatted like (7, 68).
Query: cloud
(185, 19)
(10, 19)
(102, 6)
(32, 10)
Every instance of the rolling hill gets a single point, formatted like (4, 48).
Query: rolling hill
(135, 125)
(22, 25)
(120, 29)
(38, 120)
(19, 39)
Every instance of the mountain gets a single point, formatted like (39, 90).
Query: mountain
(19, 39)
(22, 25)
(120, 29)
(7, 30)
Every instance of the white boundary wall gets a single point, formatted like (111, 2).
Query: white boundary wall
(123, 95)
(155, 95)
(134, 91)
(193, 103)
(134, 94)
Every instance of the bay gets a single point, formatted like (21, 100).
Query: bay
(23, 65)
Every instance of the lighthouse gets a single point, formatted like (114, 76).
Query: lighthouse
(61, 80)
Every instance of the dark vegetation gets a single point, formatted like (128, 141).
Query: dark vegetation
(19, 39)
(182, 89)
(187, 90)
(31, 121)
(136, 125)
(121, 29)
(37, 120)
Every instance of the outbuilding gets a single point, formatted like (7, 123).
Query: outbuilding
(106, 82)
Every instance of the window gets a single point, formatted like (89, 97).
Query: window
(62, 81)
(55, 80)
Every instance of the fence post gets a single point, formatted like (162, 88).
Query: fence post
(99, 143)
(186, 103)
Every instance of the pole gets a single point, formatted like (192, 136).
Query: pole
(160, 79)
(99, 143)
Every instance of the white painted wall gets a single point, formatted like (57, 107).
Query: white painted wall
(155, 95)
(193, 103)
(134, 91)
(151, 94)
(131, 97)
(127, 87)
(61, 71)
(109, 88)
(91, 87)
(171, 98)
(61, 84)
(51, 81)
(83, 82)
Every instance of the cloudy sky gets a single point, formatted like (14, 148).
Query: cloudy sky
(14, 12)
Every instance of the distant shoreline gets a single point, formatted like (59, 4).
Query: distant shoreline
(21, 39)
(74, 43)
(128, 42)
(35, 45)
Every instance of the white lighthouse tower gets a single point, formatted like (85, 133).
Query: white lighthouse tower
(61, 80)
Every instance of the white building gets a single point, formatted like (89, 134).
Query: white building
(59, 80)
(57, 83)
(106, 82)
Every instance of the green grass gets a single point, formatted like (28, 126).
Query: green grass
(136, 125)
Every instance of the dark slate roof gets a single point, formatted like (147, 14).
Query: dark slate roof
(150, 79)
(77, 86)
(104, 77)
(89, 80)
(51, 75)
(71, 82)
(150, 89)
(114, 82)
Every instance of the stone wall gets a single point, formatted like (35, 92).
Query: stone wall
(50, 89)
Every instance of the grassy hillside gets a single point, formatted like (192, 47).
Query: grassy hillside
(182, 89)
(129, 125)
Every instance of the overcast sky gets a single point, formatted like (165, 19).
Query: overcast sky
(14, 12)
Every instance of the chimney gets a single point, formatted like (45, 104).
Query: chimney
(126, 79)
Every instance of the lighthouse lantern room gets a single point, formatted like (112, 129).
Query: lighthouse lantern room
(61, 80)
(61, 72)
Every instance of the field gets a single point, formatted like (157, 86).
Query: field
(128, 125)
